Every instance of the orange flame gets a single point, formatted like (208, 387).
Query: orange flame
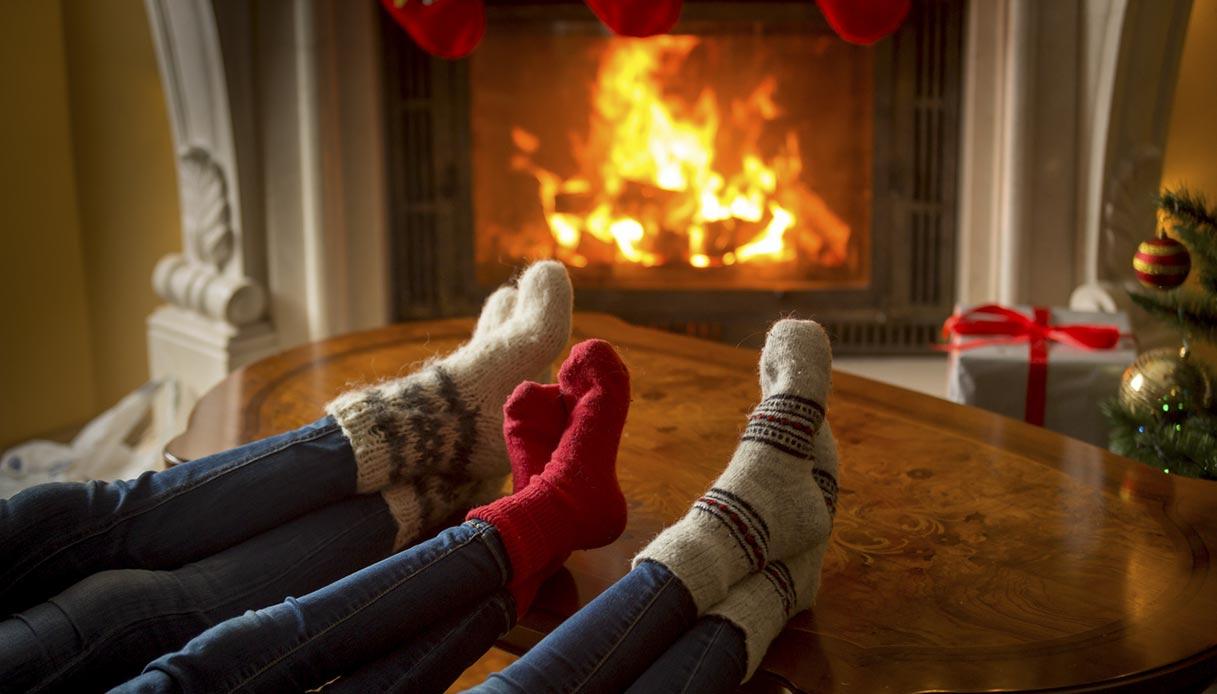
(651, 189)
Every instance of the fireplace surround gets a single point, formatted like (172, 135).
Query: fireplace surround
(285, 143)
(877, 127)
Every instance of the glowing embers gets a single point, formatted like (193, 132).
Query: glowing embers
(667, 174)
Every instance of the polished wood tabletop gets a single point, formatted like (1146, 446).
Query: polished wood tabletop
(970, 551)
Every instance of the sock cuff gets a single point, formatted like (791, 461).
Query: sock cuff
(757, 607)
(406, 510)
(533, 528)
(392, 426)
(763, 603)
(358, 413)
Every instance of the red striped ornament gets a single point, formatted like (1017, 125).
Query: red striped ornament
(1162, 263)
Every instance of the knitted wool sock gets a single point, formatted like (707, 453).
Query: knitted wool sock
(534, 420)
(575, 502)
(445, 421)
(766, 504)
(761, 604)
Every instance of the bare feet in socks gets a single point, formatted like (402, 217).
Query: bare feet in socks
(767, 505)
(571, 500)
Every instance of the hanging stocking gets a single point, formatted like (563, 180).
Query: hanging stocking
(446, 28)
(864, 21)
(637, 17)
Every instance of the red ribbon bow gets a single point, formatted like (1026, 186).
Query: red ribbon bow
(1008, 326)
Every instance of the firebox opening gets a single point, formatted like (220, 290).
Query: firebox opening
(727, 160)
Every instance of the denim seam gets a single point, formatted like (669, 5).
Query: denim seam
(460, 630)
(114, 522)
(702, 658)
(394, 586)
(666, 584)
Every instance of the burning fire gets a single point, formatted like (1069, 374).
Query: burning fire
(657, 185)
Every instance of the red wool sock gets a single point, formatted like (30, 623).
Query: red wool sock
(637, 17)
(864, 21)
(446, 28)
(533, 421)
(575, 502)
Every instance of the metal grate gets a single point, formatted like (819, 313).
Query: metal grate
(932, 241)
(913, 245)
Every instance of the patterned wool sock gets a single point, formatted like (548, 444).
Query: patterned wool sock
(761, 604)
(445, 421)
(575, 502)
(766, 505)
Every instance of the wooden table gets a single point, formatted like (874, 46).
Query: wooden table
(970, 552)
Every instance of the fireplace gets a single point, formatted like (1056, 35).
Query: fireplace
(747, 165)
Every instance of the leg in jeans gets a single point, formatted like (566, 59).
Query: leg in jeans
(709, 659)
(441, 423)
(53, 535)
(303, 643)
(431, 661)
(609, 643)
(103, 630)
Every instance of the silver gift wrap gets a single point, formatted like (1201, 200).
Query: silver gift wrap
(994, 377)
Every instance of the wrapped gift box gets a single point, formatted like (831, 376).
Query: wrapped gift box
(1058, 366)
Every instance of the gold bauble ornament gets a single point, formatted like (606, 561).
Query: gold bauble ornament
(1165, 384)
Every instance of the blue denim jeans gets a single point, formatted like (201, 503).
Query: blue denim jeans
(54, 535)
(375, 624)
(433, 660)
(643, 632)
(147, 566)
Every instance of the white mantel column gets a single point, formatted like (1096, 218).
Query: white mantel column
(276, 116)
(214, 319)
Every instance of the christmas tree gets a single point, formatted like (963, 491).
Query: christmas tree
(1165, 413)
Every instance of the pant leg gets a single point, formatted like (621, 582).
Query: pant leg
(54, 535)
(104, 629)
(606, 645)
(433, 660)
(303, 643)
(710, 658)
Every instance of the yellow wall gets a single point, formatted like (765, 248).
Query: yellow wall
(46, 367)
(88, 202)
(126, 184)
(1191, 143)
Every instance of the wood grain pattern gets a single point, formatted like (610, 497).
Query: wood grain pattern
(971, 551)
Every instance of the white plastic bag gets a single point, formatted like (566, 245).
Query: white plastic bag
(99, 451)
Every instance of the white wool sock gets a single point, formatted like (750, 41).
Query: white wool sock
(446, 420)
(761, 604)
(766, 505)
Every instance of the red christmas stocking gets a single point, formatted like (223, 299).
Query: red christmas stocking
(864, 21)
(637, 17)
(446, 28)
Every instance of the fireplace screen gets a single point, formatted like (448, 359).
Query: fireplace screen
(726, 160)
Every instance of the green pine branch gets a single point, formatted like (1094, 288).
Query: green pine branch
(1196, 225)
(1188, 207)
(1187, 449)
(1194, 311)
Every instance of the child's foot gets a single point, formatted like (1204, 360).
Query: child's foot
(446, 420)
(767, 504)
(575, 501)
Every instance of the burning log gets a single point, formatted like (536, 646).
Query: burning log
(580, 203)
